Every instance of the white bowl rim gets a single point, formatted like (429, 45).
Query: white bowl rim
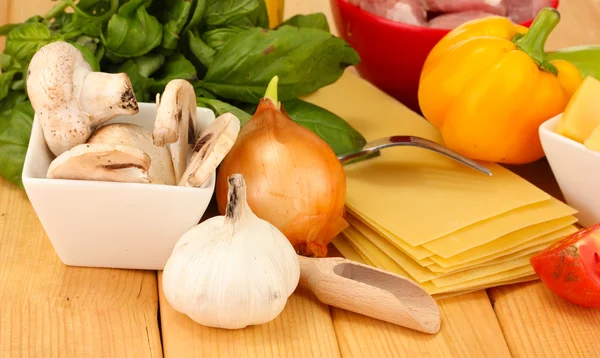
(547, 129)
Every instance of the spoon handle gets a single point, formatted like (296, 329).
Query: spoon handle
(371, 292)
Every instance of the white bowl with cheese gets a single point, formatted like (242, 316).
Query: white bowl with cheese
(571, 142)
(110, 224)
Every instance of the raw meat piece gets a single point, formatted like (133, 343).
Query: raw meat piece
(406, 11)
(497, 7)
(520, 11)
(450, 21)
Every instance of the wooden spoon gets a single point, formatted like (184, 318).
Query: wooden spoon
(370, 291)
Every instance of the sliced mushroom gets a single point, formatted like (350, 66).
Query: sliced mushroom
(161, 170)
(211, 148)
(70, 100)
(175, 121)
(101, 162)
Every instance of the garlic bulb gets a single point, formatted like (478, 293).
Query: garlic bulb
(231, 271)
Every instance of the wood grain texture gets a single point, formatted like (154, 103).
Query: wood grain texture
(49, 308)
(469, 329)
(304, 329)
(537, 323)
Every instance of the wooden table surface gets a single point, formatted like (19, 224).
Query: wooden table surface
(48, 309)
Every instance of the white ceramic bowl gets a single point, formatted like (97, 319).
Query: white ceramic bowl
(112, 225)
(577, 171)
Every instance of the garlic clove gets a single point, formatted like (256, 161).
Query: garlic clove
(211, 148)
(101, 162)
(231, 271)
(175, 122)
(161, 170)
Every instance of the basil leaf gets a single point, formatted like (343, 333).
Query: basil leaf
(149, 64)
(315, 21)
(218, 38)
(220, 107)
(197, 16)
(23, 41)
(6, 79)
(200, 53)
(5, 29)
(10, 101)
(132, 32)
(220, 13)
(15, 130)
(340, 136)
(174, 15)
(8, 63)
(175, 67)
(305, 60)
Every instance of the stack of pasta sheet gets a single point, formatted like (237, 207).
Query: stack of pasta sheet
(417, 213)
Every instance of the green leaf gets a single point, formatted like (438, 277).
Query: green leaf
(197, 16)
(200, 53)
(175, 67)
(6, 79)
(220, 107)
(315, 21)
(5, 29)
(23, 41)
(132, 32)
(174, 15)
(218, 38)
(15, 130)
(150, 63)
(10, 101)
(305, 60)
(340, 136)
(8, 63)
(220, 13)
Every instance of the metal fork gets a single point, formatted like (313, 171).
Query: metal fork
(411, 141)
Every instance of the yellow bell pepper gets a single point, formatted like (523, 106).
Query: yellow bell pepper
(487, 85)
(275, 11)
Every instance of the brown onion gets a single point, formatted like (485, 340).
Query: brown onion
(294, 179)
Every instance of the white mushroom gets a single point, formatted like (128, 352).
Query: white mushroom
(70, 100)
(175, 120)
(102, 162)
(211, 148)
(161, 169)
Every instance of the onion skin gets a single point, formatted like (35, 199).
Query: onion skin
(294, 179)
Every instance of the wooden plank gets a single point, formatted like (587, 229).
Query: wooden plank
(303, 329)
(578, 25)
(4, 16)
(49, 309)
(537, 323)
(469, 329)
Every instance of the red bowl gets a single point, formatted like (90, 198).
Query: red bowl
(392, 53)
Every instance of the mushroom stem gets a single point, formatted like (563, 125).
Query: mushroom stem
(211, 148)
(175, 122)
(104, 96)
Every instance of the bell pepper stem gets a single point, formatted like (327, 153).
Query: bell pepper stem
(271, 92)
(534, 41)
